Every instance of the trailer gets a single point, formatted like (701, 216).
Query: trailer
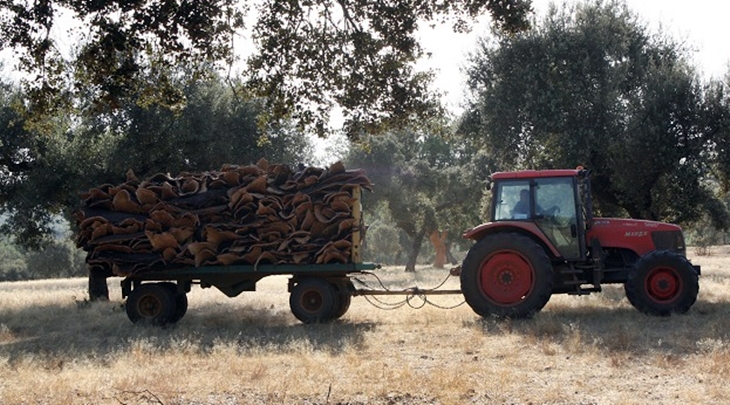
(227, 229)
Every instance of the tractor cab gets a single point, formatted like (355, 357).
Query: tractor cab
(552, 200)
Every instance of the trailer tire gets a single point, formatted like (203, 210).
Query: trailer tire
(344, 297)
(181, 302)
(314, 300)
(662, 283)
(152, 304)
(507, 275)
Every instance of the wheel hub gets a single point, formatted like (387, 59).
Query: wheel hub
(663, 284)
(506, 278)
(312, 301)
(149, 306)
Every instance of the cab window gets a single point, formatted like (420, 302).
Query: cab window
(512, 200)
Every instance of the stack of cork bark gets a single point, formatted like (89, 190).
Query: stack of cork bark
(240, 215)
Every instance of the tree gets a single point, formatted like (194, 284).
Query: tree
(12, 263)
(58, 259)
(310, 56)
(591, 86)
(719, 99)
(428, 182)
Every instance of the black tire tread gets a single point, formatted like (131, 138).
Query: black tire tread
(635, 290)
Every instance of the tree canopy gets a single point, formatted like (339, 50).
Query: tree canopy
(310, 56)
(589, 85)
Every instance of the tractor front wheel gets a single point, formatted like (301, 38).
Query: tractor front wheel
(506, 275)
(662, 283)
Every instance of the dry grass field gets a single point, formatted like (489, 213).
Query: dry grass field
(55, 348)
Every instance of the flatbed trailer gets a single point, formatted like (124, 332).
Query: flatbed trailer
(318, 292)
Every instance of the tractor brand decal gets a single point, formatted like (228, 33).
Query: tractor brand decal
(636, 234)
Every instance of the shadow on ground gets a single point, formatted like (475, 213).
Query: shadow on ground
(84, 330)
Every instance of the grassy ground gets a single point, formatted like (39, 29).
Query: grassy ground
(56, 348)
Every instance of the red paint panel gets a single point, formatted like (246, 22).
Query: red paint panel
(531, 174)
(479, 231)
(629, 234)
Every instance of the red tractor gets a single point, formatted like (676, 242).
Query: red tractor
(542, 239)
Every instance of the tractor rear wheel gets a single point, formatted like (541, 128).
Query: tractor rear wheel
(662, 283)
(507, 275)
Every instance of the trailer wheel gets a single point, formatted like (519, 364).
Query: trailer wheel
(152, 304)
(507, 275)
(314, 301)
(181, 302)
(344, 298)
(662, 283)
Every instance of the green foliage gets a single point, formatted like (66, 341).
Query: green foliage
(122, 43)
(719, 105)
(310, 54)
(383, 238)
(590, 86)
(12, 262)
(427, 182)
(59, 259)
(215, 127)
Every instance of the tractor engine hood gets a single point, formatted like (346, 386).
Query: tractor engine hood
(640, 236)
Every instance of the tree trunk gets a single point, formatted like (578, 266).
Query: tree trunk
(98, 289)
(449, 256)
(438, 241)
(413, 256)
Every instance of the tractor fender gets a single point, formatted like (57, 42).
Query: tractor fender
(479, 231)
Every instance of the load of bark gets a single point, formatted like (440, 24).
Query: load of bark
(240, 215)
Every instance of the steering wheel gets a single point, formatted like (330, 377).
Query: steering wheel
(556, 220)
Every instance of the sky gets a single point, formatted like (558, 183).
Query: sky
(703, 24)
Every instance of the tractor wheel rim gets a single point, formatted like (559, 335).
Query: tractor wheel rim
(663, 284)
(312, 301)
(506, 278)
(149, 306)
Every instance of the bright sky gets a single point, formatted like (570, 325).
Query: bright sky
(703, 24)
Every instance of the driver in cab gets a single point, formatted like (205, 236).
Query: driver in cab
(521, 210)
